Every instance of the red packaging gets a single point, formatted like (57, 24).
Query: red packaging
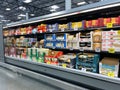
(29, 30)
(52, 57)
(11, 32)
(48, 59)
(96, 23)
(24, 56)
(41, 28)
(6, 51)
(89, 24)
(12, 52)
(17, 32)
(115, 20)
(106, 21)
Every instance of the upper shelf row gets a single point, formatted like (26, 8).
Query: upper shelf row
(84, 25)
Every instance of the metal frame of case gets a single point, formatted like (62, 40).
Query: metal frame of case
(79, 78)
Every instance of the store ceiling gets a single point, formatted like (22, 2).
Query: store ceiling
(15, 10)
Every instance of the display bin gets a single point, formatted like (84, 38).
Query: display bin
(67, 61)
(87, 62)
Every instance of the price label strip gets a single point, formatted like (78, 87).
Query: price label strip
(48, 62)
(64, 65)
(109, 25)
(111, 50)
(111, 74)
(75, 29)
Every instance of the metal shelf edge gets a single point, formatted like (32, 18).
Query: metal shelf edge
(74, 71)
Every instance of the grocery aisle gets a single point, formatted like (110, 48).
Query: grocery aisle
(13, 81)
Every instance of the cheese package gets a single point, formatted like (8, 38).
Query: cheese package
(23, 31)
(5, 33)
(115, 20)
(76, 25)
(17, 31)
(63, 27)
(29, 30)
(106, 21)
(42, 28)
(88, 24)
(96, 23)
(97, 36)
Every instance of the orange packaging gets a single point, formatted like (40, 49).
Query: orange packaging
(115, 20)
(23, 31)
(41, 28)
(96, 23)
(106, 21)
(6, 33)
(52, 57)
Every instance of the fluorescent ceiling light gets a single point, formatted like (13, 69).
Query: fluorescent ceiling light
(81, 3)
(3, 20)
(54, 7)
(32, 14)
(22, 8)
(83, 11)
(8, 9)
(22, 15)
(27, 1)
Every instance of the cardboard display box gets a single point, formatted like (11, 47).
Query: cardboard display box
(109, 67)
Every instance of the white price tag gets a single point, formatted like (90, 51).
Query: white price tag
(83, 69)
(81, 49)
(62, 29)
(71, 48)
(75, 29)
(97, 50)
(53, 47)
(50, 30)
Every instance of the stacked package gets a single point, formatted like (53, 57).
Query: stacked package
(110, 40)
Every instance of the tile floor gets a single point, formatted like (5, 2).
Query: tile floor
(13, 81)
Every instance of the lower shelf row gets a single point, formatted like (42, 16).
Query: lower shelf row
(87, 62)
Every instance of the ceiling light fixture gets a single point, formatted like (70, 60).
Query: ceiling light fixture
(22, 8)
(8, 9)
(27, 1)
(3, 20)
(81, 3)
(32, 14)
(22, 15)
(55, 7)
